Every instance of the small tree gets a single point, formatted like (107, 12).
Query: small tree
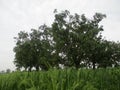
(8, 71)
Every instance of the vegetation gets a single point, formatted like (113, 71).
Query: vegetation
(62, 79)
(64, 56)
(71, 40)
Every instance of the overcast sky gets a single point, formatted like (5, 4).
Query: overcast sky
(17, 15)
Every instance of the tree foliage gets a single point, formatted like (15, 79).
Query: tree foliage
(71, 40)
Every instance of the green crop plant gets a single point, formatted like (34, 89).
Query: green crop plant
(62, 79)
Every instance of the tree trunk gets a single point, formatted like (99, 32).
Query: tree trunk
(37, 68)
(93, 65)
(29, 69)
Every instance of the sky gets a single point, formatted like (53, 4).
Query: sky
(17, 15)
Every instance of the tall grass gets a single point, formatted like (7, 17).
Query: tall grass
(66, 79)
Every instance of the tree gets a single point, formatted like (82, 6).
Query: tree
(8, 71)
(110, 54)
(71, 40)
(32, 50)
(76, 37)
(21, 50)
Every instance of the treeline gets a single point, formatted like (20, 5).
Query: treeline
(71, 41)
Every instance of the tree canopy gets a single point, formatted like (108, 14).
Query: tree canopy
(71, 40)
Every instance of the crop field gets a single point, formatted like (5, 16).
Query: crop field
(66, 79)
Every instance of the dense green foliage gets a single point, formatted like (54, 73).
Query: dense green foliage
(71, 40)
(66, 79)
